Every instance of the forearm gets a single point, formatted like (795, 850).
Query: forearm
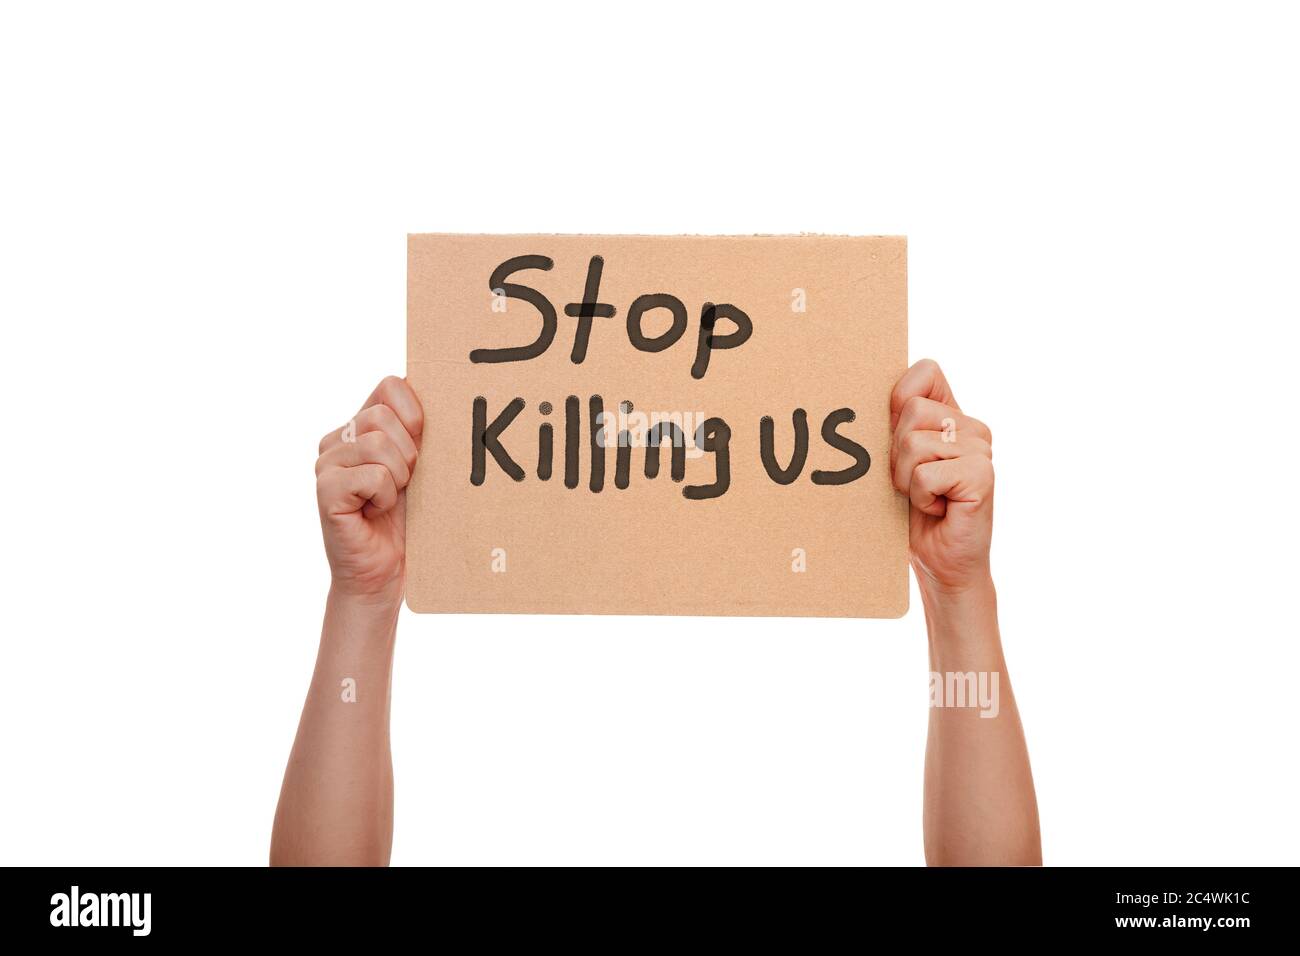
(980, 807)
(336, 802)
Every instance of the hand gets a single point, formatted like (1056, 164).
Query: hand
(943, 461)
(361, 478)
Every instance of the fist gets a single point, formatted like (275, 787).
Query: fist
(943, 461)
(361, 478)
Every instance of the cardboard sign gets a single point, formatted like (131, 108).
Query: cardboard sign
(656, 425)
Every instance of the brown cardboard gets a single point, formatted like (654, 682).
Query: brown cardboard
(534, 546)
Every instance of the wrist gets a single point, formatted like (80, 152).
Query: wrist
(378, 598)
(943, 597)
(962, 616)
(356, 618)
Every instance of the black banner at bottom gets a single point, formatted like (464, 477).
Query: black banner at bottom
(951, 907)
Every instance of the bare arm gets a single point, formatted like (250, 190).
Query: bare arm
(336, 802)
(980, 807)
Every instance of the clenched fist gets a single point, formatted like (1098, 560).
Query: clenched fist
(943, 461)
(361, 478)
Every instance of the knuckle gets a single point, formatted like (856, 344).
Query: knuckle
(911, 410)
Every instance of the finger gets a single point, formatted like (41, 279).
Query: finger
(937, 484)
(925, 414)
(378, 418)
(925, 380)
(401, 398)
(372, 448)
(383, 418)
(370, 509)
(918, 447)
(346, 490)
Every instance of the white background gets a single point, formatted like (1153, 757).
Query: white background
(203, 216)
